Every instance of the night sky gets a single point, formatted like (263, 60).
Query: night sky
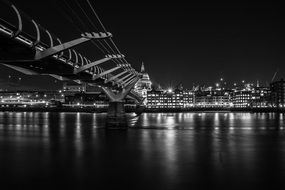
(178, 41)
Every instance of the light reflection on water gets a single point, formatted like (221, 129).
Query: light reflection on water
(172, 150)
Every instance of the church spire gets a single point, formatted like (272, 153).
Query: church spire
(142, 68)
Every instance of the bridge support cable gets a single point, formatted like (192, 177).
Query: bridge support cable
(84, 26)
(96, 29)
(126, 64)
(123, 64)
(81, 27)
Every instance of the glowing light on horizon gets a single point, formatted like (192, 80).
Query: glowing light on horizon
(170, 90)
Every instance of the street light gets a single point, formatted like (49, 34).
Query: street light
(170, 90)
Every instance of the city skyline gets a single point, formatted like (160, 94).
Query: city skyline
(201, 43)
(141, 95)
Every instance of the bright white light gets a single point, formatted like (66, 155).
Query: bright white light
(169, 90)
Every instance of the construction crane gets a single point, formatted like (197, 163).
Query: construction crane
(274, 75)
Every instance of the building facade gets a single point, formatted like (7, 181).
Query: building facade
(69, 88)
(277, 89)
(212, 98)
(169, 99)
(242, 98)
(144, 85)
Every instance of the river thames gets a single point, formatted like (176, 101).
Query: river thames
(159, 151)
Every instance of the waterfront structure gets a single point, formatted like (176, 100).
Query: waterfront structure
(169, 99)
(242, 98)
(261, 97)
(97, 99)
(29, 98)
(212, 98)
(250, 96)
(278, 93)
(71, 87)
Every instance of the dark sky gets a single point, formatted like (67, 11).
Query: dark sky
(180, 41)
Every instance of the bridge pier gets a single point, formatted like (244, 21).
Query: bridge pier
(116, 116)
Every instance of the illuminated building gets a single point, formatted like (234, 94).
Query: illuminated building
(278, 93)
(212, 98)
(98, 99)
(188, 99)
(170, 99)
(242, 98)
(250, 96)
(260, 97)
(29, 98)
(73, 87)
(144, 84)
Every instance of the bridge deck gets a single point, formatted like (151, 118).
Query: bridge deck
(18, 54)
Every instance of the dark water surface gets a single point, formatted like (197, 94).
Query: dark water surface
(159, 151)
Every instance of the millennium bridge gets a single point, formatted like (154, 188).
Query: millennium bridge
(27, 47)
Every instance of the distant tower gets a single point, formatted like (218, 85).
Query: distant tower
(142, 68)
(144, 84)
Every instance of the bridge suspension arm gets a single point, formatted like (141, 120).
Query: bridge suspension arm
(38, 34)
(128, 75)
(59, 41)
(84, 67)
(122, 94)
(20, 23)
(128, 80)
(65, 46)
(127, 88)
(105, 72)
(131, 81)
(116, 76)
